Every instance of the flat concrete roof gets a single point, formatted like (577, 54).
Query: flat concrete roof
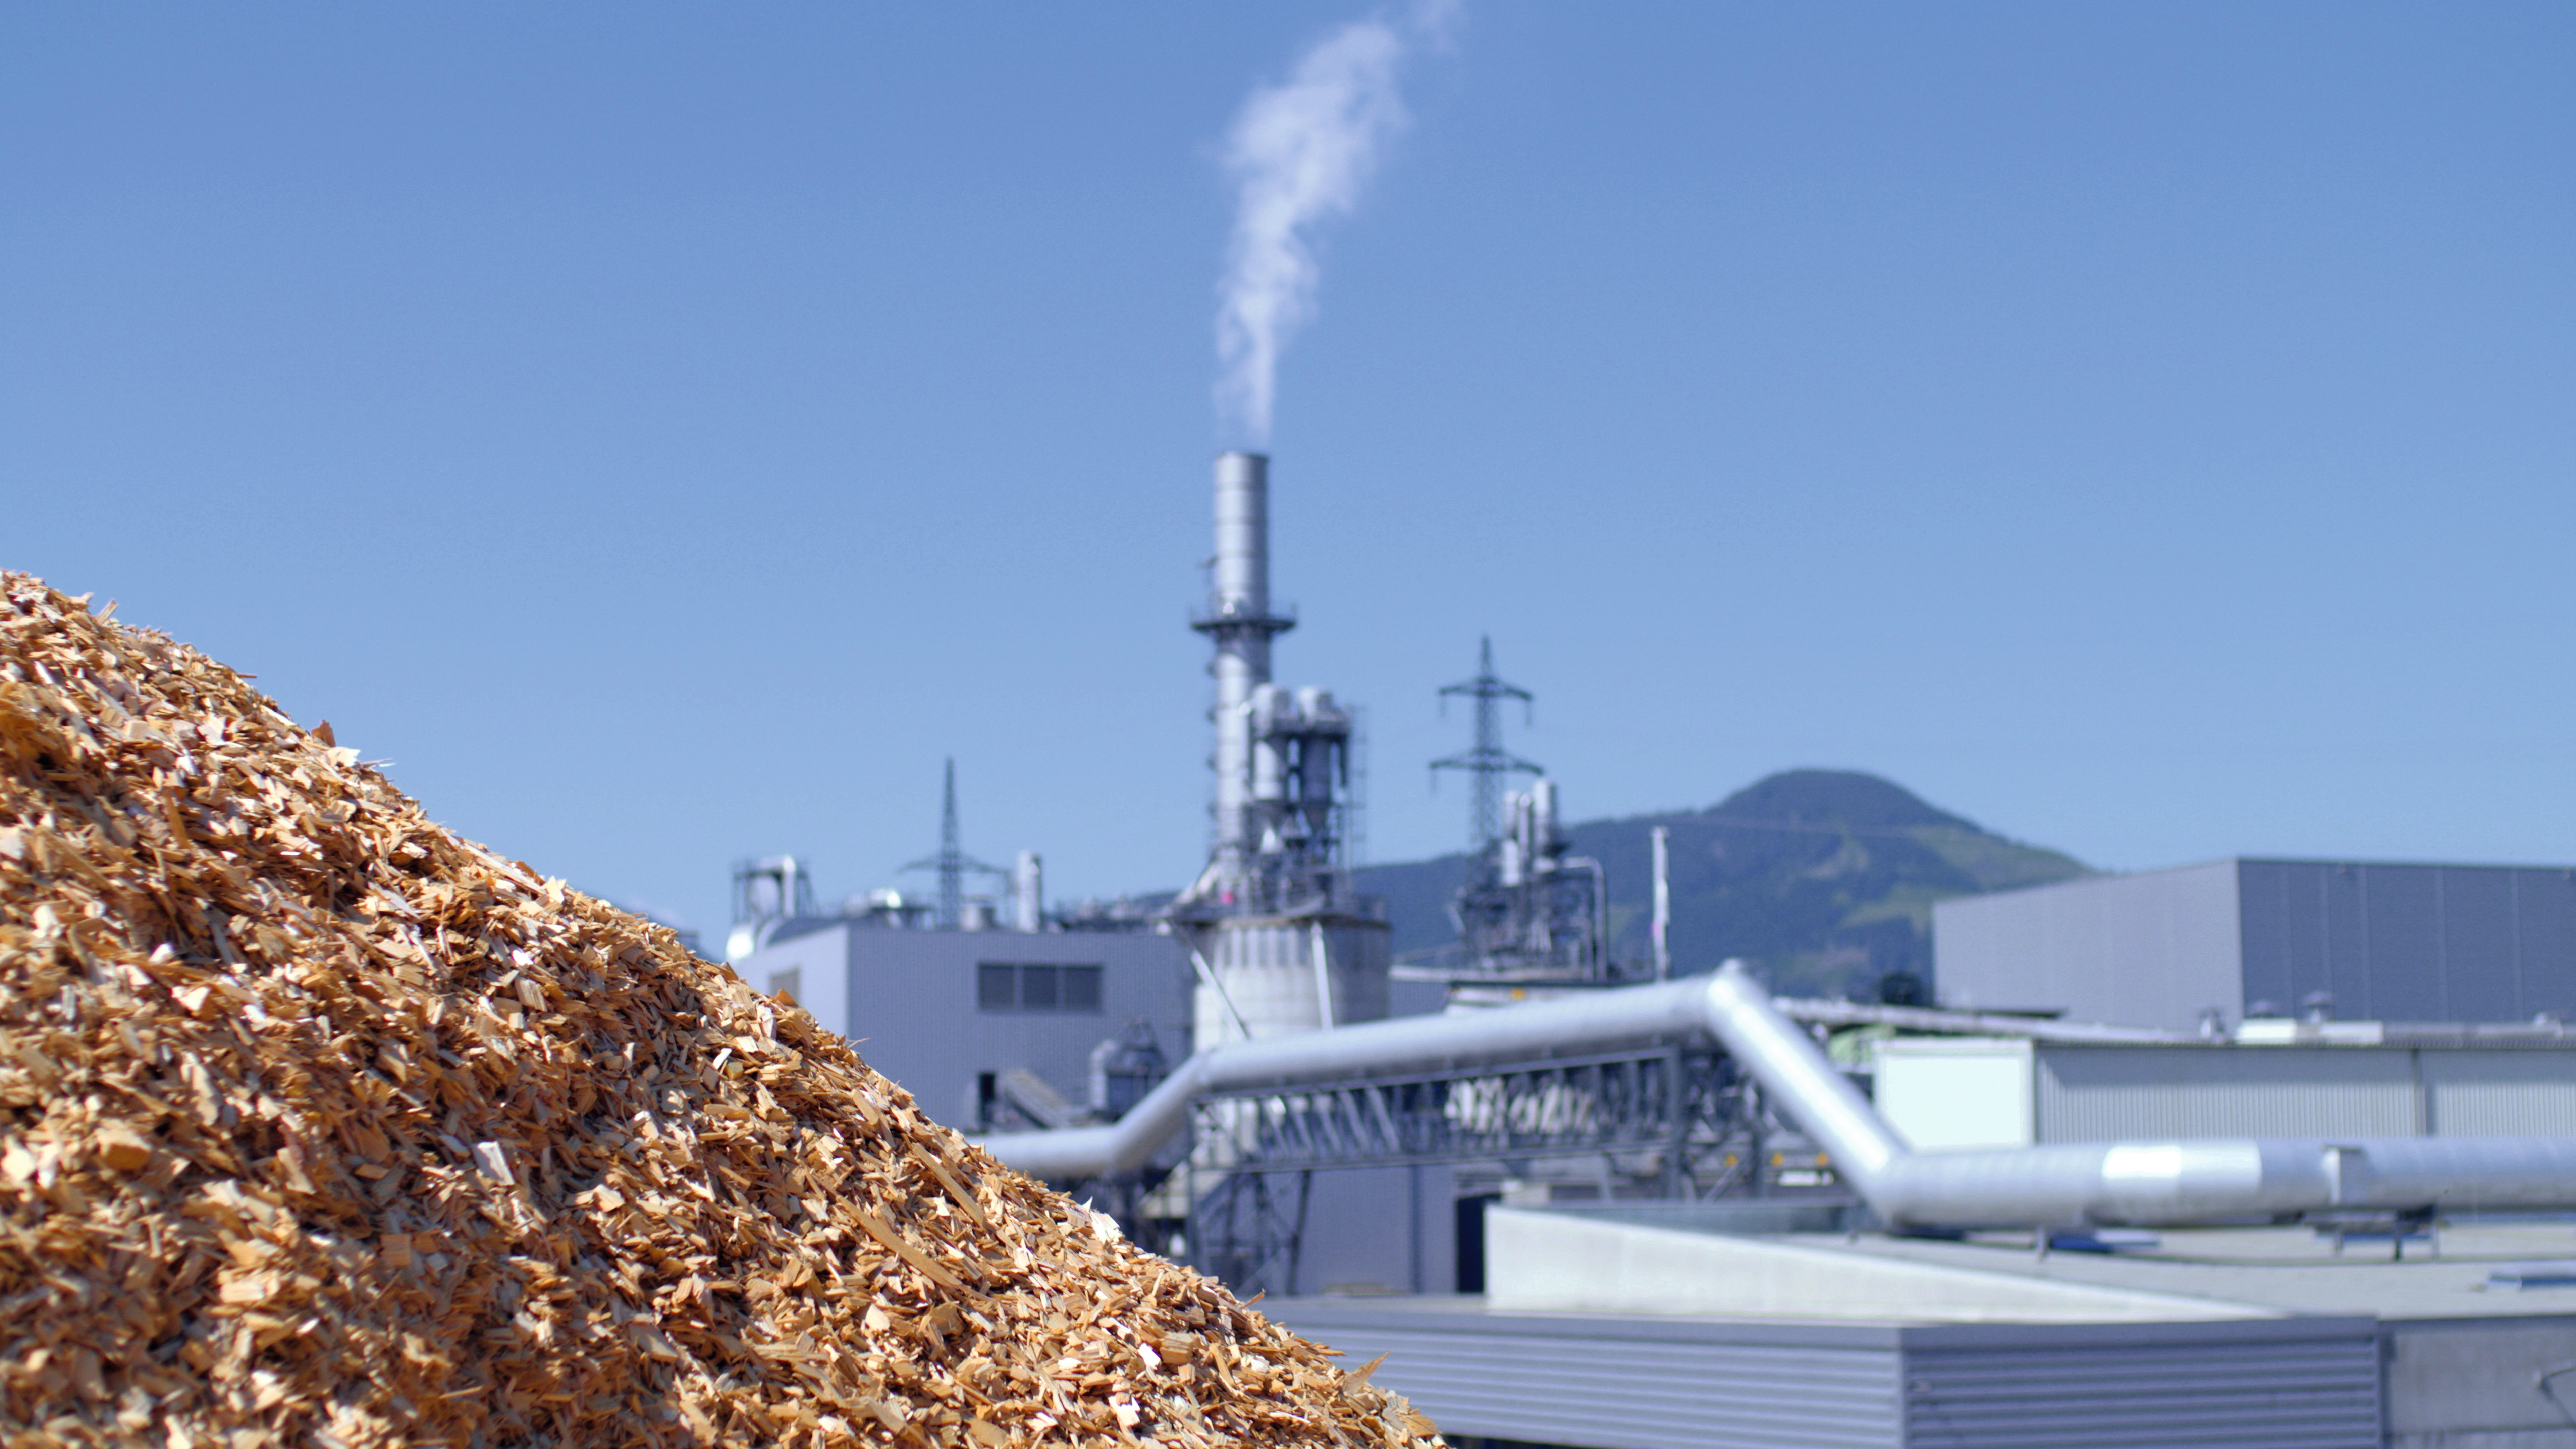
(2289, 1270)
(1683, 1264)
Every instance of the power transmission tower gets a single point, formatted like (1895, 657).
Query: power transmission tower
(1488, 762)
(952, 862)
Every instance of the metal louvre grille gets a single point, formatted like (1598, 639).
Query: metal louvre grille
(1036, 986)
(2294, 1394)
(1629, 1394)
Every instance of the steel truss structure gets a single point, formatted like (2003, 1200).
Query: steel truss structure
(1676, 1118)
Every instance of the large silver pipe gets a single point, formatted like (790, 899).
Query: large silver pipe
(1796, 1076)
(1600, 1020)
(2149, 1183)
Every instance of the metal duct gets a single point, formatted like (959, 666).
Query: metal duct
(2138, 1183)
(1604, 1019)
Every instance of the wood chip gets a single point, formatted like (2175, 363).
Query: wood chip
(320, 1125)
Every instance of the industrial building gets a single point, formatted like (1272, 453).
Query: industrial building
(2178, 1287)
(986, 1028)
(1633, 1328)
(2262, 1153)
(2248, 937)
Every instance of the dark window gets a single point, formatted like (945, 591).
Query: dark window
(1471, 1241)
(1037, 988)
(996, 987)
(1081, 988)
(1001, 986)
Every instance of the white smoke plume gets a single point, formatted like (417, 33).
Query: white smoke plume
(1302, 151)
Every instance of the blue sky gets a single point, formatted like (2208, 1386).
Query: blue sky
(666, 432)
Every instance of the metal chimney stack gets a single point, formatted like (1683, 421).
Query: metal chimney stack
(1239, 622)
(1279, 936)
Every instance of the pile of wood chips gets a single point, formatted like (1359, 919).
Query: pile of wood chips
(319, 1125)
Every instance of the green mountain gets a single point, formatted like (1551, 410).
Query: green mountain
(1825, 878)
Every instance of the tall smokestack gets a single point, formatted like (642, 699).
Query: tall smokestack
(1240, 624)
(1279, 942)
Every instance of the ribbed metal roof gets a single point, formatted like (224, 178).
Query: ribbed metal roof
(1635, 1382)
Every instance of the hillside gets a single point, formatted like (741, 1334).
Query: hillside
(1824, 877)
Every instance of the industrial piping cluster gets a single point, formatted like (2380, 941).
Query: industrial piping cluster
(2145, 1183)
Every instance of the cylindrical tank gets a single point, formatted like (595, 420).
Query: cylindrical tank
(1315, 756)
(1028, 892)
(1269, 760)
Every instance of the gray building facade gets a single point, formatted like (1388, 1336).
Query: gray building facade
(945, 1013)
(2388, 942)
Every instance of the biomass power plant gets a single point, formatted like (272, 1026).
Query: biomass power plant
(1583, 1200)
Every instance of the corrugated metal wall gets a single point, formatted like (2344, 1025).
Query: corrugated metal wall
(2318, 1389)
(1635, 1392)
(2153, 949)
(1641, 1383)
(2100, 1094)
(2499, 1093)
(2410, 942)
(2103, 1093)
(2425, 943)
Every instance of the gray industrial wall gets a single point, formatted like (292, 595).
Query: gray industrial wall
(2419, 943)
(2107, 1094)
(907, 1001)
(2411, 942)
(1945, 1093)
(1380, 1230)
